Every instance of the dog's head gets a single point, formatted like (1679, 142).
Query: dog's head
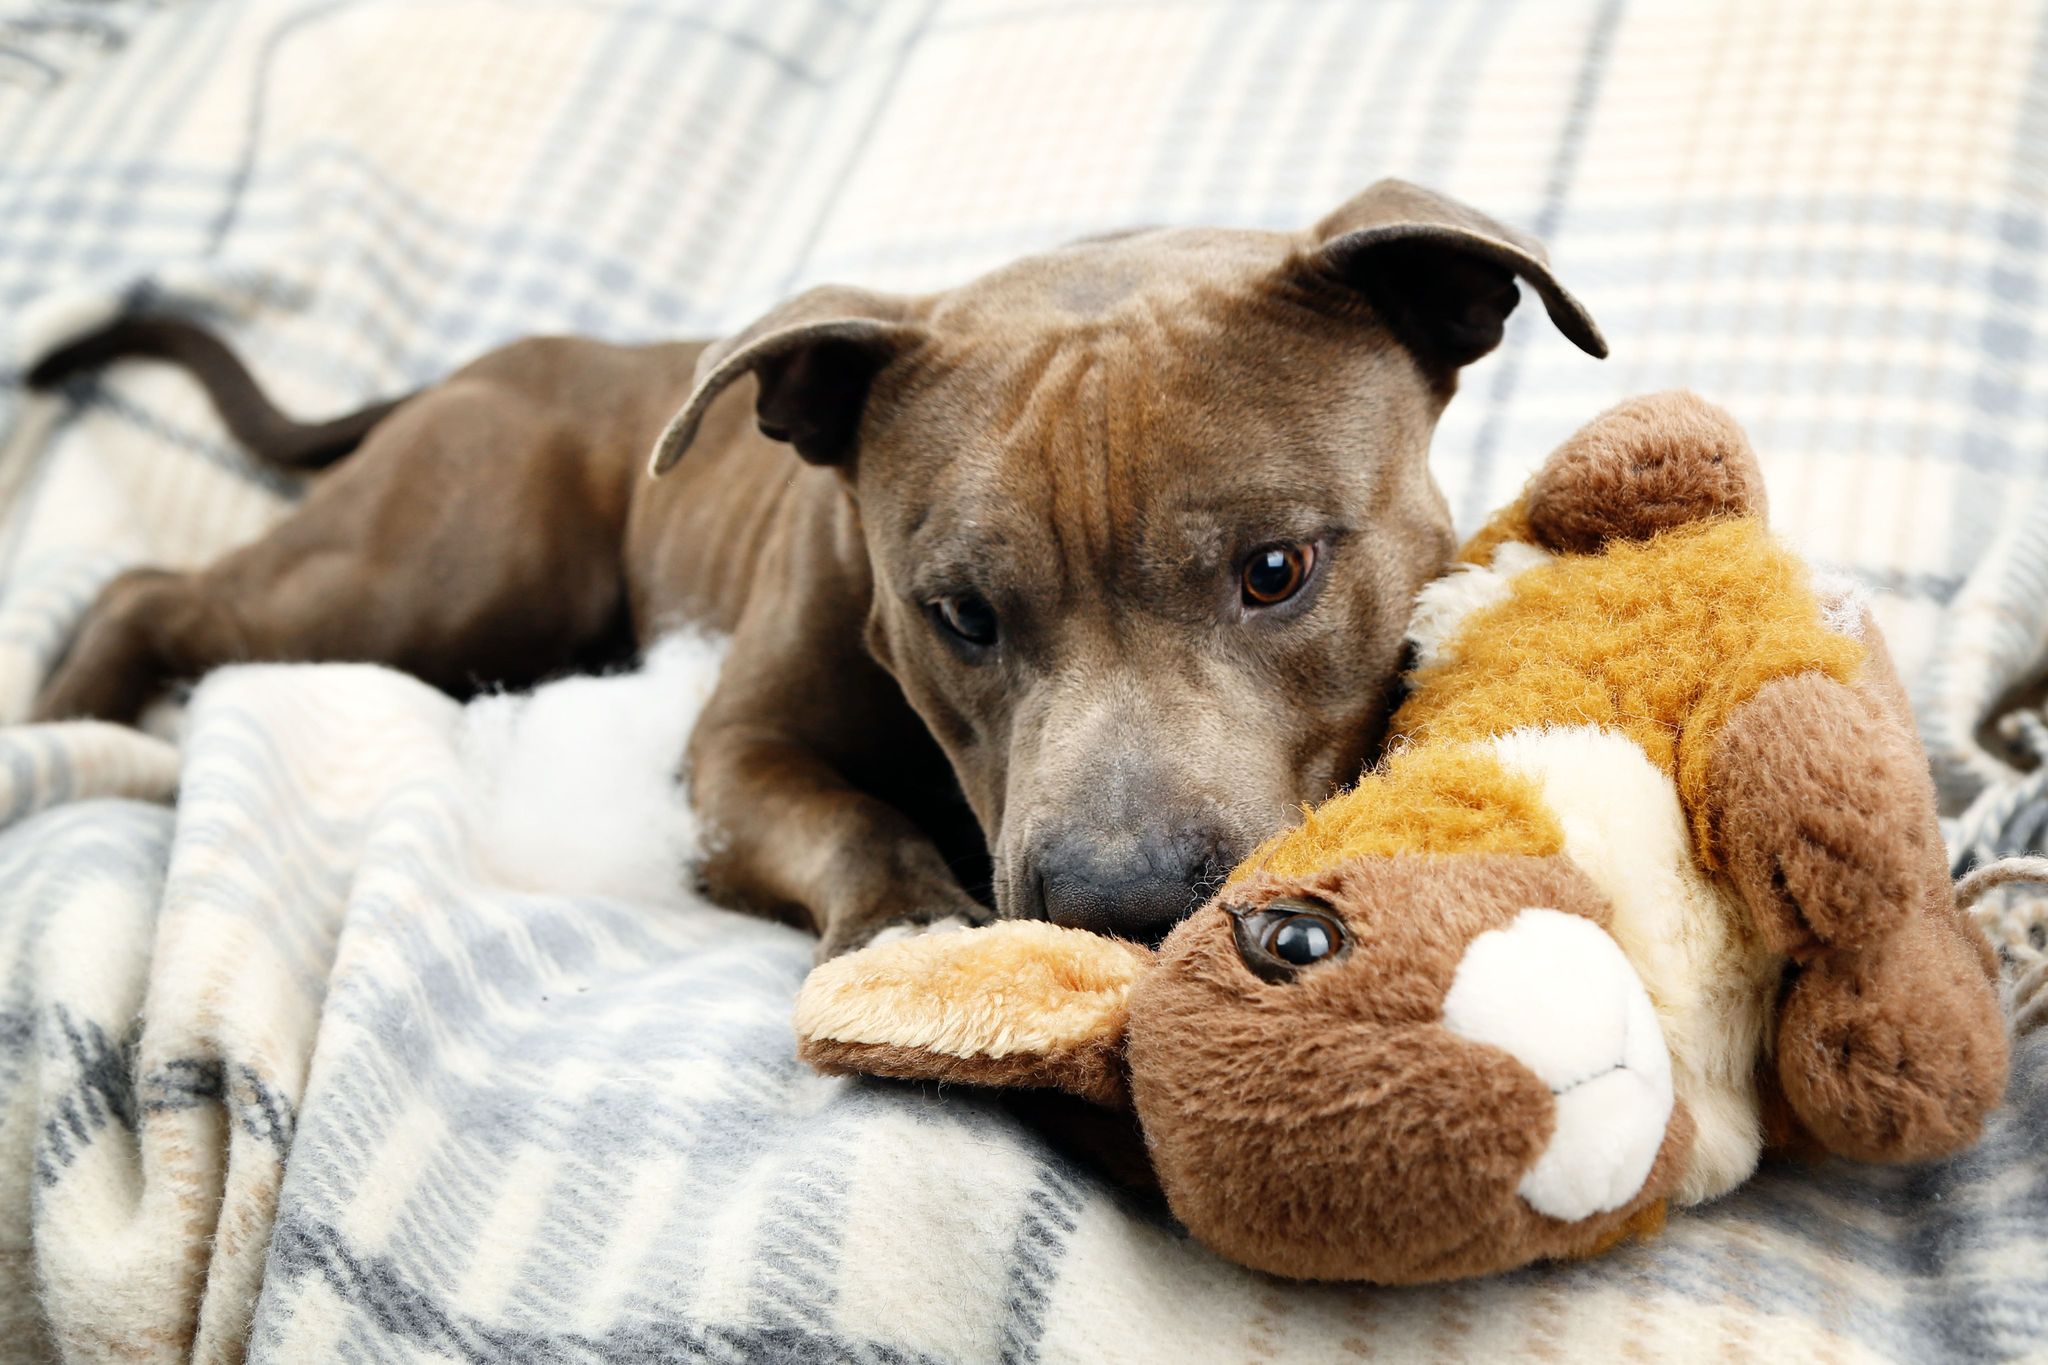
(1145, 517)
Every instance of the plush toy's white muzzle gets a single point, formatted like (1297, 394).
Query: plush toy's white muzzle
(1556, 992)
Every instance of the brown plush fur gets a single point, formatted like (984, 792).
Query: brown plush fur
(1891, 1045)
(1825, 812)
(1896, 1051)
(1793, 746)
(1363, 1140)
(1647, 465)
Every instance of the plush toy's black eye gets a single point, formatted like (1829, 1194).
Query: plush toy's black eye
(1275, 573)
(967, 616)
(1281, 937)
(1302, 939)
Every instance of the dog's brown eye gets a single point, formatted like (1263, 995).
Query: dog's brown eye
(1275, 573)
(966, 615)
(1287, 934)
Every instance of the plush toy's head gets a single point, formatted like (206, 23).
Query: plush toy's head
(1380, 1071)
(1389, 1069)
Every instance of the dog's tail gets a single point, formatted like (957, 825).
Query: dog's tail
(248, 412)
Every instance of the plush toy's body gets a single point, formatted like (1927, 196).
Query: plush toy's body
(1653, 857)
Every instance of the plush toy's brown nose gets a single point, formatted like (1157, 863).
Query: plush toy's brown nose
(1137, 892)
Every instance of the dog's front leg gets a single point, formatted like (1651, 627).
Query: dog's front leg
(820, 788)
(787, 835)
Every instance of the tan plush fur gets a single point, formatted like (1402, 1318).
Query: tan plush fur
(1659, 640)
(1654, 801)
(1062, 989)
(1092, 1069)
(1450, 800)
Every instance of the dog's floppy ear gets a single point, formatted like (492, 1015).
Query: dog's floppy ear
(814, 358)
(1017, 1003)
(1442, 275)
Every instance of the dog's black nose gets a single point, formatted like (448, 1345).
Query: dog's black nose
(1138, 896)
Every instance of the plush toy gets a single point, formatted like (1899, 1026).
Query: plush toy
(1650, 877)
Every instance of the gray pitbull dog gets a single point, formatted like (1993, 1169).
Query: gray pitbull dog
(1055, 591)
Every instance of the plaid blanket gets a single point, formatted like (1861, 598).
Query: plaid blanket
(545, 1108)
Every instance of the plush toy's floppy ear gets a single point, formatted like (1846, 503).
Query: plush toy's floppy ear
(1645, 465)
(1019, 1003)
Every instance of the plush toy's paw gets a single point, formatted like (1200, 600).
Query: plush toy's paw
(1824, 815)
(1895, 1052)
(1644, 466)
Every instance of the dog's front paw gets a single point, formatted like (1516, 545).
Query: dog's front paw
(837, 939)
(945, 924)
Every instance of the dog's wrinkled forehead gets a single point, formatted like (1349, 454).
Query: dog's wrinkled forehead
(1139, 402)
(1121, 274)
